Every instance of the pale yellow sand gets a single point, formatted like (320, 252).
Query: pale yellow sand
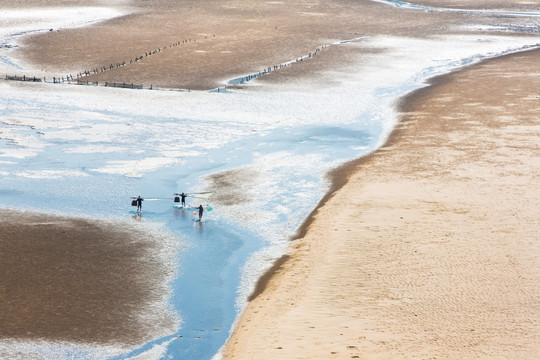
(431, 250)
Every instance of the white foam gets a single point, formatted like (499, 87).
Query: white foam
(93, 149)
(413, 6)
(136, 168)
(157, 352)
(49, 174)
(509, 28)
(44, 350)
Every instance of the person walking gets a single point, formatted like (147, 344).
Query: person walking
(183, 197)
(201, 211)
(139, 203)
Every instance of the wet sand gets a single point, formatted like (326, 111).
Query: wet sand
(429, 250)
(201, 44)
(66, 279)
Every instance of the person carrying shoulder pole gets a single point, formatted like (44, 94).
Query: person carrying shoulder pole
(139, 203)
(183, 196)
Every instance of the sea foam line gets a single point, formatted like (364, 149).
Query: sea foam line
(408, 5)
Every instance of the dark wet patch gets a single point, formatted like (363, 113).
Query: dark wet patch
(67, 279)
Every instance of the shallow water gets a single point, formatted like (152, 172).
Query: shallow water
(86, 151)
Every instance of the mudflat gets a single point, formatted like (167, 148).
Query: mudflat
(201, 45)
(66, 279)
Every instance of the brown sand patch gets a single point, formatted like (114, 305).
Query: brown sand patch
(67, 279)
(231, 187)
(233, 38)
(432, 250)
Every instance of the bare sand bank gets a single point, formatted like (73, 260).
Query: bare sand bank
(201, 44)
(430, 249)
(66, 279)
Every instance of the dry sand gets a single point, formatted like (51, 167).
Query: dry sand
(430, 249)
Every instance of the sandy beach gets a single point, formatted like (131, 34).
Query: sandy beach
(429, 250)
(425, 249)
